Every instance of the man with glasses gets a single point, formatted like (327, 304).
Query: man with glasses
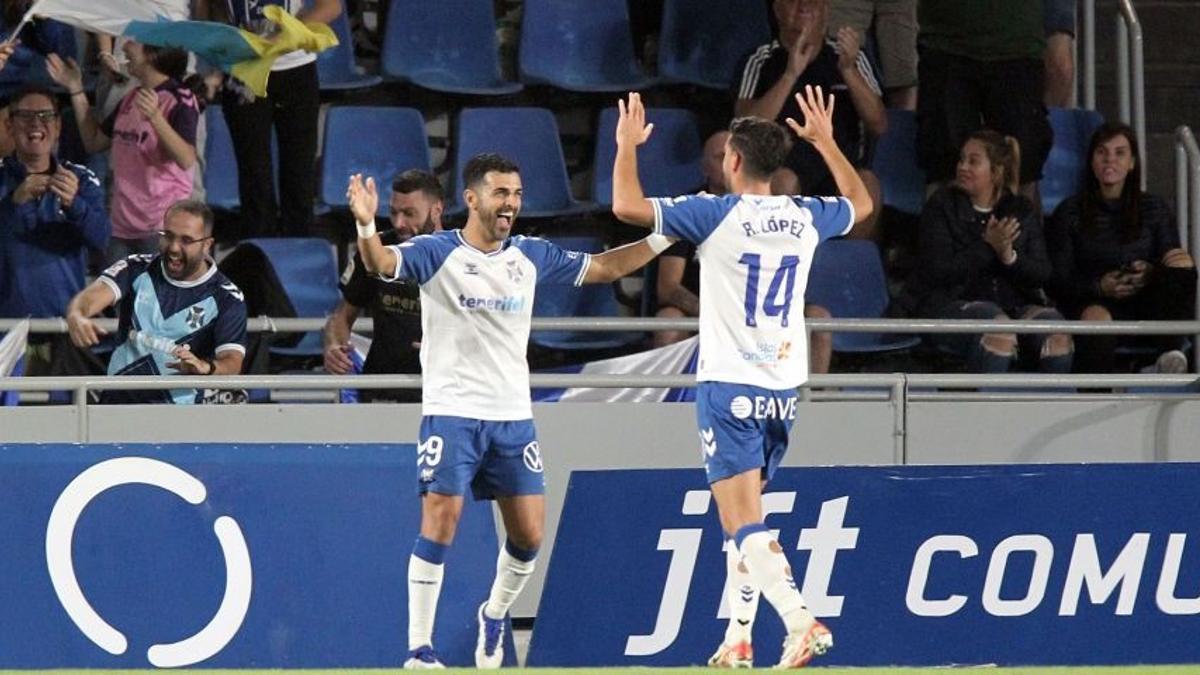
(51, 214)
(178, 314)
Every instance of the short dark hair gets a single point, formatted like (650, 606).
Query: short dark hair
(170, 61)
(478, 166)
(762, 144)
(193, 207)
(416, 180)
(33, 90)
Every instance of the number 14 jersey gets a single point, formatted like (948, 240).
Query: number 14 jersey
(755, 252)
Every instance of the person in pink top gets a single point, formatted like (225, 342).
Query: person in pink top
(152, 134)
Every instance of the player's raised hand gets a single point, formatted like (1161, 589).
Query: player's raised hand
(631, 121)
(363, 198)
(818, 116)
(66, 73)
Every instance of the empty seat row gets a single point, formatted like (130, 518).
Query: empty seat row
(578, 45)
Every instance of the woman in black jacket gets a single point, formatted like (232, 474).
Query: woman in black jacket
(981, 255)
(1117, 255)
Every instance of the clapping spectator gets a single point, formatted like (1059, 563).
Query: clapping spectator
(982, 256)
(51, 215)
(152, 134)
(1117, 254)
(289, 111)
(773, 75)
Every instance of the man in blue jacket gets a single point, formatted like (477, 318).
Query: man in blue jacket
(51, 213)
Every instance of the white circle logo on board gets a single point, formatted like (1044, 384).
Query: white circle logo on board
(60, 532)
(533, 457)
(741, 407)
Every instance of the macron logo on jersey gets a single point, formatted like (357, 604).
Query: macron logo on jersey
(509, 304)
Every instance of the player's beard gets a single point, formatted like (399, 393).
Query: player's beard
(428, 227)
(186, 266)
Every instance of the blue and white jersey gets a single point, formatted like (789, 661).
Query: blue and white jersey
(755, 252)
(158, 313)
(475, 314)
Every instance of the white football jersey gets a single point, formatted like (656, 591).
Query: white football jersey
(475, 313)
(755, 252)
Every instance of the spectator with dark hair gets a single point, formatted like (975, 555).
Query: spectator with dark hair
(289, 111)
(178, 315)
(895, 25)
(1117, 254)
(416, 208)
(982, 256)
(981, 65)
(51, 214)
(800, 55)
(1058, 21)
(152, 134)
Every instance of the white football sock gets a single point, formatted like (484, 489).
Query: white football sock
(511, 575)
(741, 595)
(770, 571)
(424, 587)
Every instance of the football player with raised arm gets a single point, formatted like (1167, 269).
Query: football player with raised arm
(755, 251)
(477, 288)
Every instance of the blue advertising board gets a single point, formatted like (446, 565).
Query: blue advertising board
(1012, 565)
(268, 556)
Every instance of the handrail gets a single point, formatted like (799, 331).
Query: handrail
(1129, 25)
(649, 324)
(1187, 203)
(1087, 30)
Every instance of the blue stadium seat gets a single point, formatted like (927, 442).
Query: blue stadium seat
(847, 279)
(396, 143)
(579, 45)
(566, 300)
(668, 164)
(702, 41)
(895, 162)
(337, 68)
(1063, 171)
(307, 270)
(220, 164)
(529, 137)
(444, 46)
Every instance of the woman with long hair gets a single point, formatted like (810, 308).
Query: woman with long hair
(982, 256)
(1117, 255)
(152, 134)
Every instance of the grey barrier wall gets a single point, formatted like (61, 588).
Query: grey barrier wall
(951, 430)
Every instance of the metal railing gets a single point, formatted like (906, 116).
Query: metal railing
(264, 324)
(1131, 69)
(1187, 202)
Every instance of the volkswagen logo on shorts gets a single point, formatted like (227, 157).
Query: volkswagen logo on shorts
(533, 457)
(741, 407)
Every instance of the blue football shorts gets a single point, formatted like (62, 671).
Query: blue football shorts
(494, 458)
(743, 427)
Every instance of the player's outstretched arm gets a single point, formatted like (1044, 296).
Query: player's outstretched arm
(629, 204)
(618, 262)
(364, 200)
(818, 130)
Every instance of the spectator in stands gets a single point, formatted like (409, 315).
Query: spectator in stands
(289, 110)
(51, 216)
(981, 63)
(416, 208)
(1117, 254)
(982, 256)
(39, 38)
(177, 315)
(800, 55)
(152, 134)
(6, 146)
(1058, 18)
(895, 26)
(677, 287)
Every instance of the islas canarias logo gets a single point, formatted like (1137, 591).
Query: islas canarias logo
(60, 532)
